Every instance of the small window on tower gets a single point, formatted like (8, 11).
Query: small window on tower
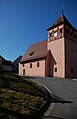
(50, 34)
(55, 69)
(60, 30)
(71, 70)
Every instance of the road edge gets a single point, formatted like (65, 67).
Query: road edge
(42, 112)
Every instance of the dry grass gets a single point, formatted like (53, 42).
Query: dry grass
(18, 97)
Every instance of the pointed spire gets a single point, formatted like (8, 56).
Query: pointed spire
(62, 10)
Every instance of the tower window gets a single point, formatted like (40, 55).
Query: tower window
(50, 34)
(37, 64)
(72, 70)
(60, 30)
(30, 65)
(55, 69)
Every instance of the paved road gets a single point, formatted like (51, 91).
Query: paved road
(65, 95)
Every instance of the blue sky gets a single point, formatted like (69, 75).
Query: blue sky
(24, 22)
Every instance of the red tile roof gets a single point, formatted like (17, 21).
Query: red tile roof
(35, 51)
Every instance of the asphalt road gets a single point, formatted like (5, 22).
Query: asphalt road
(65, 97)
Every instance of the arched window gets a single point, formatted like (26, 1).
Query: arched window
(38, 64)
(30, 65)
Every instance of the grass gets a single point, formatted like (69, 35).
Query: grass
(19, 97)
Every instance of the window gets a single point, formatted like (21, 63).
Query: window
(30, 65)
(31, 53)
(55, 69)
(50, 34)
(23, 65)
(71, 70)
(60, 30)
(37, 64)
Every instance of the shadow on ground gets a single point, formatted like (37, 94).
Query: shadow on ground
(52, 117)
(53, 99)
(56, 99)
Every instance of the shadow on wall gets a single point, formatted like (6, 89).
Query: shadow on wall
(52, 63)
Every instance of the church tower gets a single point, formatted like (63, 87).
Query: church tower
(62, 43)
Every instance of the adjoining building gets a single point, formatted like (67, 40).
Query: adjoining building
(16, 65)
(5, 65)
(56, 56)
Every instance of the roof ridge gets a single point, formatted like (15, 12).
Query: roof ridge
(39, 42)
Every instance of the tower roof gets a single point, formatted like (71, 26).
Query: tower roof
(61, 20)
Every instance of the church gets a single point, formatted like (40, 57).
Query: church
(54, 57)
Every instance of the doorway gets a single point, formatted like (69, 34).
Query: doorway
(23, 72)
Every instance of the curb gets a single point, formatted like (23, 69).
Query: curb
(46, 107)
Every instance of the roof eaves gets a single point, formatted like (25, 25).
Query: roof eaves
(34, 59)
(54, 26)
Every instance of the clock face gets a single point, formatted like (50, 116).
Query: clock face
(55, 34)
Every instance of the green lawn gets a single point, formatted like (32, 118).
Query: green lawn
(19, 97)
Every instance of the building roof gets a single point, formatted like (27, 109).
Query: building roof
(35, 51)
(4, 61)
(1, 58)
(17, 60)
(61, 20)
